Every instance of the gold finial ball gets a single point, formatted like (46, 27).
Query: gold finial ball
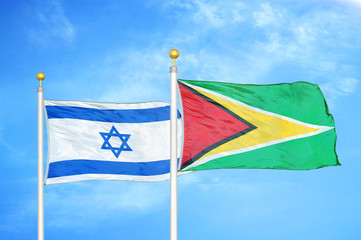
(40, 76)
(173, 53)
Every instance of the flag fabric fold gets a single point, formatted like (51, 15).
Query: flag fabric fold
(107, 141)
(281, 126)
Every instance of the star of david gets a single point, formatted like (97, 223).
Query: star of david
(114, 133)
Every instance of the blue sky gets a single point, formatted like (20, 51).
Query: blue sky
(117, 51)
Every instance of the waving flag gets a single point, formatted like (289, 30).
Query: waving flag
(283, 126)
(107, 141)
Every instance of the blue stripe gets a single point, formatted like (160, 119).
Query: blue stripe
(82, 166)
(111, 115)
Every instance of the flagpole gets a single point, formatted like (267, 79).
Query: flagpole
(40, 76)
(173, 148)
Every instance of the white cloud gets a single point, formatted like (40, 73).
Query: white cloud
(339, 88)
(209, 66)
(299, 40)
(147, 73)
(284, 37)
(347, 85)
(353, 2)
(311, 41)
(214, 14)
(53, 24)
(268, 16)
(218, 15)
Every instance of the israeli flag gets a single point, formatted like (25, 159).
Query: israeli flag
(108, 141)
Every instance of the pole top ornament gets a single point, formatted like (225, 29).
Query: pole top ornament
(173, 54)
(40, 76)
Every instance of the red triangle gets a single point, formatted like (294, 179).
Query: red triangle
(205, 123)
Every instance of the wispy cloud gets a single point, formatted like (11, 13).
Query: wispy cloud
(13, 223)
(339, 88)
(52, 23)
(145, 72)
(315, 41)
(352, 2)
(310, 43)
(122, 75)
(267, 16)
(214, 14)
(11, 149)
(85, 204)
(245, 197)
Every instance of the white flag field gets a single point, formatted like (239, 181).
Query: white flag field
(108, 141)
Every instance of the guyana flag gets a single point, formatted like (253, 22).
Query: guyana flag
(281, 126)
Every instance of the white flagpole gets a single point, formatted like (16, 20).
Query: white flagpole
(40, 76)
(173, 148)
